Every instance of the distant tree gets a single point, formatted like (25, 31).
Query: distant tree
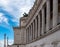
(25, 14)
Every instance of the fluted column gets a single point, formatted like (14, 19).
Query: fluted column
(38, 25)
(26, 35)
(29, 33)
(55, 12)
(35, 28)
(43, 21)
(48, 15)
(22, 37)
(40, 22)
(33, 31)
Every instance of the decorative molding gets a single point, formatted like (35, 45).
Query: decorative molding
(33, 11)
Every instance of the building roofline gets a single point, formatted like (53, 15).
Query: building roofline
(16, 27)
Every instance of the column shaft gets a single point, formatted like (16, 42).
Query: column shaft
(35, 28)
(48, 15)
(55, 12)
(28, 35)
(33, 31)
(43, 21)
(38, 25)
(31, 34)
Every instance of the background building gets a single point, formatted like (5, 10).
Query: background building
(41, 28)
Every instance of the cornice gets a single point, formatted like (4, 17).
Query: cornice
(16, 27)
(33, 10)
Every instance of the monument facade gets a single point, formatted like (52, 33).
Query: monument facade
(41, 28)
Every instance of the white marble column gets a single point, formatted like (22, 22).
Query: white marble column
(24, 37)
(31, 33)
(48, 15)
(35, 28)
(27, 36)
(43, 21)
(55, 12)
(38, 25)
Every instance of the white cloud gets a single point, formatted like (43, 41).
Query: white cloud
(2, 43)
(17, 7)
(10, 42)
(3, 19)
(24, 9)
(4, 2)
(26, 6)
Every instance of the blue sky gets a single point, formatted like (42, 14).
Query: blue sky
(10, 13)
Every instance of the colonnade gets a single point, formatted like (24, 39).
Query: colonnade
(42, 23)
